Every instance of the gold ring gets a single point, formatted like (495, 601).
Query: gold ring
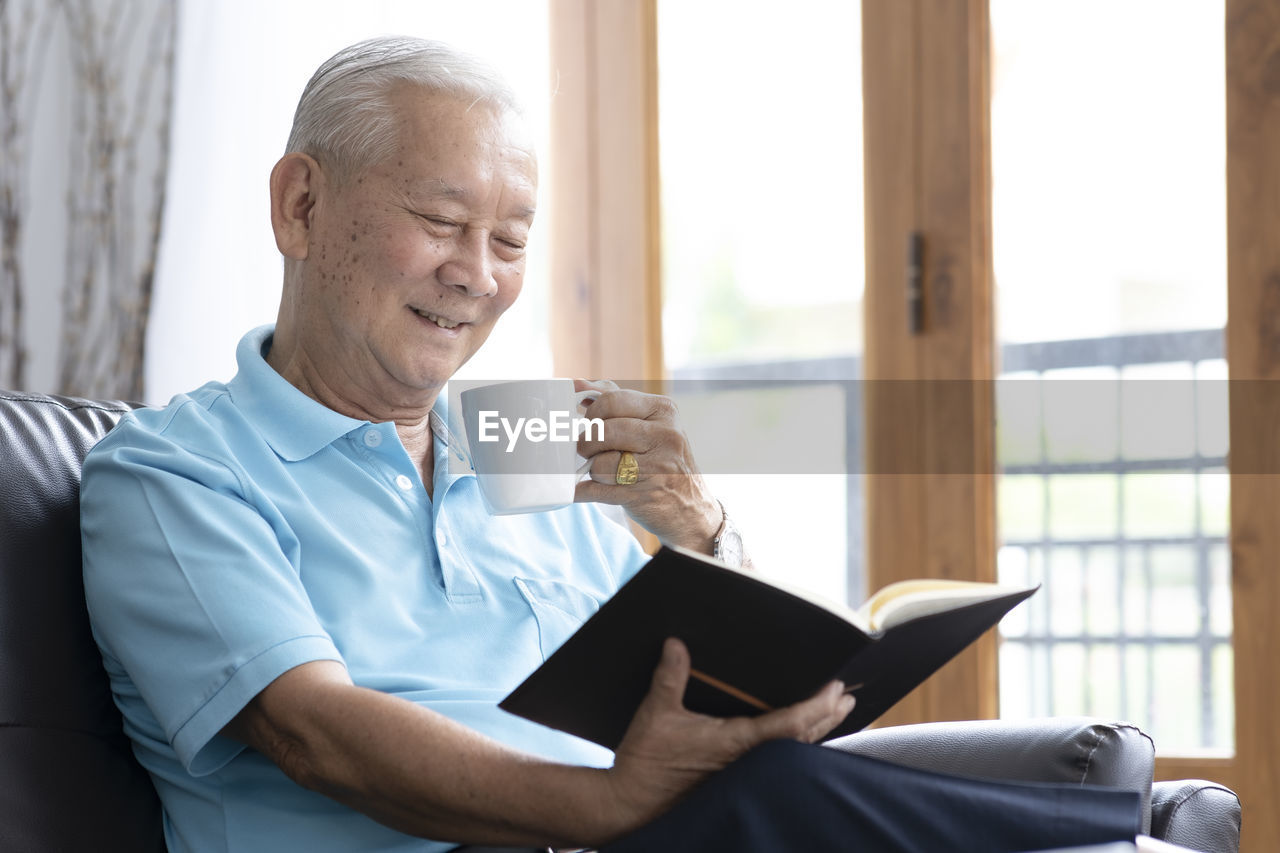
(628, 469)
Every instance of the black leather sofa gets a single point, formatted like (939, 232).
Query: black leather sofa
(69, 782)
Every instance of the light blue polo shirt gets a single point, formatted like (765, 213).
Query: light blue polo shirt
(246, 529)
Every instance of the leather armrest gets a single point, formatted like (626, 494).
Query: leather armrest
(1055, 749)
(1196, 814)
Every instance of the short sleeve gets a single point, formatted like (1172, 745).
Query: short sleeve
(190, 587)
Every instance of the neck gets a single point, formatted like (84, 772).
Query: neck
(356, 396)
(411, 413)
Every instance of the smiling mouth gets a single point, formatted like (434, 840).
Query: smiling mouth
(435, 318)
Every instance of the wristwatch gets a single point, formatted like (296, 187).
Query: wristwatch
(727, 547)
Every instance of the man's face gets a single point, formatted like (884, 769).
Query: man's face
(412, 261)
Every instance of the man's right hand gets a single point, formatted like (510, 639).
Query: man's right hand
(668, 749)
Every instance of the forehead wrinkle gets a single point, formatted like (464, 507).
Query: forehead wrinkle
(440, 188)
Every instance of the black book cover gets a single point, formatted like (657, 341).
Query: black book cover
(753, 646)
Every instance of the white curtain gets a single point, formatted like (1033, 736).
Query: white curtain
(85, 94)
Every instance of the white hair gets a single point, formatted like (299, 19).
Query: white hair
(345, 118)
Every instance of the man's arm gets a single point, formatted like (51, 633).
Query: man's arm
(424, 774)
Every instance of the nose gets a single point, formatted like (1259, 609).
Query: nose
(469, 267)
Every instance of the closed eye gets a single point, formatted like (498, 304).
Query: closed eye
(509, 248)
(438, 223)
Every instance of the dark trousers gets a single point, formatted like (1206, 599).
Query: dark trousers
(786, 796)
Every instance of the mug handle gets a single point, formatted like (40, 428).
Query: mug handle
(579, 397)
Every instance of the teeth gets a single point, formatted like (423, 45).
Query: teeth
(439, 321)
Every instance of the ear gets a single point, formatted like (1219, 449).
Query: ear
(295, 181)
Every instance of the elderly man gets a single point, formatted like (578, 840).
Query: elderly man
(308, 621)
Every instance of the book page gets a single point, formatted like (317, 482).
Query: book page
(894, 604)
(905, 600)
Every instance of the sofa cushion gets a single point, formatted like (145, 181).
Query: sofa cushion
(1196, 814)
(1055, 749)
(68, 779)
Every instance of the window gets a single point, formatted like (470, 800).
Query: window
(762, 275)
(1109, 203)
(930, 495)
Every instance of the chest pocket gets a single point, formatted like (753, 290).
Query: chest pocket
(560, 609)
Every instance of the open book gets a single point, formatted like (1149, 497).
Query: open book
(755, 645)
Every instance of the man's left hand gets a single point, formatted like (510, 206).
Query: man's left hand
(669, 497)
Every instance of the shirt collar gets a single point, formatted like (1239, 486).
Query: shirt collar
(453, 456)
(297, 426)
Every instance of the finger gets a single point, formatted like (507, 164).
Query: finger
(601, 385)
(589, 491)
(604, 468)
(824, 726)
(671, 676)
(625, 403)
(602, 483)
(808, 720)
(618, 433)
(817, 726)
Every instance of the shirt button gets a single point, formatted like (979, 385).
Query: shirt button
(372, 438)
(442, 538)
(404, 482)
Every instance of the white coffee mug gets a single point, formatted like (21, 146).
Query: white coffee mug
(523, 439)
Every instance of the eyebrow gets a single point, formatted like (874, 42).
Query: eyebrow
(440, 188)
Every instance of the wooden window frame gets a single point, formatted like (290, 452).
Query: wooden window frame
(605, 264)
(926, 72)
(925, 107)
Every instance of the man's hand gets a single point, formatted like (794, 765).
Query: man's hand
(668, 750)
(670, 499)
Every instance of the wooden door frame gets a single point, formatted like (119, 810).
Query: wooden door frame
(1252, 32)
(930, 495)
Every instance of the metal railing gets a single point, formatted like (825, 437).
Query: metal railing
(1131, 555)
(1138, 683)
